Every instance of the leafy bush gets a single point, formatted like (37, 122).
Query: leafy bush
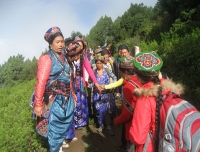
(182, 62)
(17, 131)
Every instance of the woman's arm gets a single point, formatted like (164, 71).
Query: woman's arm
(89, 70)
(115, 84)
(43, 72)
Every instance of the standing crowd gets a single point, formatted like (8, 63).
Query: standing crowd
(75, 82)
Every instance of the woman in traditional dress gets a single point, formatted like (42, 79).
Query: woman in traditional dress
(54, 96)
(104, 102)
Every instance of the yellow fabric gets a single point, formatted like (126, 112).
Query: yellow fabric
(115, 84)
(111, 61)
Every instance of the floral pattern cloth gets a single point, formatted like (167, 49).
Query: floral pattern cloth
(104, 102)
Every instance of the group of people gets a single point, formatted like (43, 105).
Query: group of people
(72, 80)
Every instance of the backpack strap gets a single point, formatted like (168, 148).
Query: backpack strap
(127, 105)
(170, 96)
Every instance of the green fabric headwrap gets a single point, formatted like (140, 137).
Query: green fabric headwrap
(127, 62)
(99, 57)
(148, 63)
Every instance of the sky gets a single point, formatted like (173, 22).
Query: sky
(23, 23)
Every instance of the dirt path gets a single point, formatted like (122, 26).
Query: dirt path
(89, 140)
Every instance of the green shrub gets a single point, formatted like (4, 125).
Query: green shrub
(17, 129)
(181, 58)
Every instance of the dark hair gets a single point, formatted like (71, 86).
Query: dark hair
(81, 63)
(128, 71)
(98, 60)
(119, 48)
(104, 52)
(52, 37)
(124, 46)
(159, 100)
(68, 41)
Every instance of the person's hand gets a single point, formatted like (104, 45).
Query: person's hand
(98, 87)
(88, 84)
(102, 87)
(38, 111)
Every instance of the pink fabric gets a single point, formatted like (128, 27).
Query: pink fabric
(86, 65)
(43, 72)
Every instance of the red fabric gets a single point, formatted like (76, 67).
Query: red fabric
(126, 116)
(195, 126)
(43, 72)
(143, 121)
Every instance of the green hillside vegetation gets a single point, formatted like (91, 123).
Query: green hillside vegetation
(17, 129)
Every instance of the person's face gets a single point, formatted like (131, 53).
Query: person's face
(120, 53)
(124, 53)
(99, 65)
(106, 57)
(58, 44)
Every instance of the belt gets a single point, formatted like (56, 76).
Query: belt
(58, 87)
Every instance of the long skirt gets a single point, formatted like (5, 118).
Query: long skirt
(55, 121)
(104, 103)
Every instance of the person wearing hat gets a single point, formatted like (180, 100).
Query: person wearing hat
(145, 121)
(129, 83)
(76, 54)
(54, 95)
(104, 102)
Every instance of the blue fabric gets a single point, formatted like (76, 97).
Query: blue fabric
(61, 117)
(62, 109)
(103, 102)
(71, 131)
(56, 68)
(81, 112)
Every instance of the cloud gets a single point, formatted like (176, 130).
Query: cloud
(24, 23)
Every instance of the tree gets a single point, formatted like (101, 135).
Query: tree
(74, 34)
(138, 20)
(99, 34)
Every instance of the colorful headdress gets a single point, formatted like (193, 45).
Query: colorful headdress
(127, 62)
(51, 31)
(99, 58)
(96, 51)
(148, 63)
(75, 49)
